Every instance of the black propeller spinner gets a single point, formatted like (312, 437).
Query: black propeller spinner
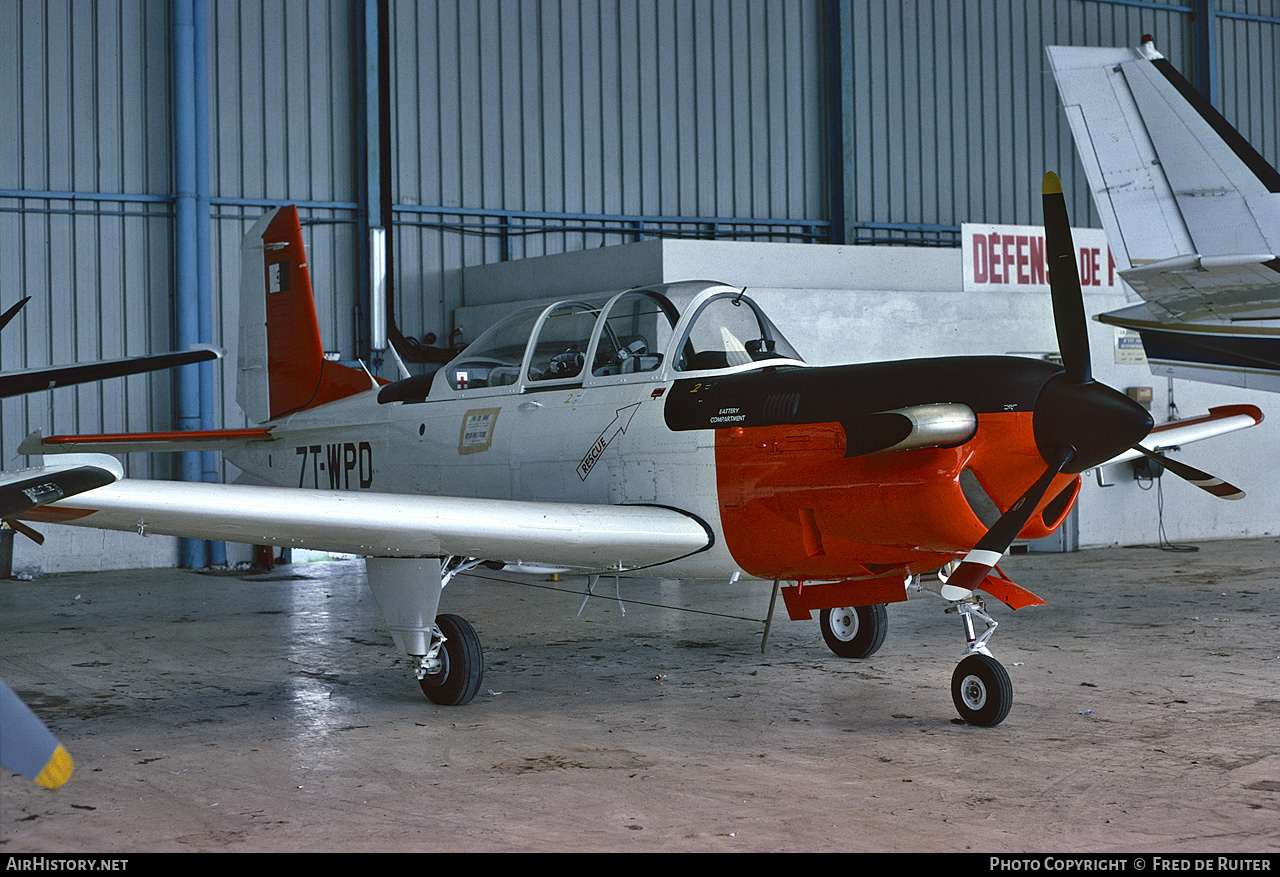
(1079, 423)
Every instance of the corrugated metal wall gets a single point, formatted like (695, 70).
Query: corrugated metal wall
(520, 128)
(1249, 71)
(282, 121)
(607, 112)
(953, 114)
(84, 123)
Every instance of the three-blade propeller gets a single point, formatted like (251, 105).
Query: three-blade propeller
(1079, 423)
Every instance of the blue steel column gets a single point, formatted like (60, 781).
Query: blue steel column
(192, 552)
(1204, 24)
(204, 266)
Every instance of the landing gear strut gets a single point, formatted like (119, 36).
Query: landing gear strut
(980, 686)
(445, 651)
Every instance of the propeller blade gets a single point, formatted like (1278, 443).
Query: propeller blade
(1064, 282)
(27, 747)
(983, 557)
(12, 312)
(1203, 480)
(1073, 410)
(30, 532)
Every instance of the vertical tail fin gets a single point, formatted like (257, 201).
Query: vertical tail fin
(282, 364)
(1169, 175)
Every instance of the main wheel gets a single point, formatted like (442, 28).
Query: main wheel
(982, 691)
(854, 631)
(461, 664)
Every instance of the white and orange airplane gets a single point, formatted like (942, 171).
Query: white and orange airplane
(665, 431)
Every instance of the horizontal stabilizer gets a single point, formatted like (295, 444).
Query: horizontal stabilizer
(128, 443)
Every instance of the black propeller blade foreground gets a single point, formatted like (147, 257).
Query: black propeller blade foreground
(1192, 475)
(991, 547)
(1069, 321)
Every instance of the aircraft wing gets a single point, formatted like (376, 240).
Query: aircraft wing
(1191, 210)
(391, 525)
(1175, 433)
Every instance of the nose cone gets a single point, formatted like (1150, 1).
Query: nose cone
(1094, 419)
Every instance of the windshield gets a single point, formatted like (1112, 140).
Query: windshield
(731, 330)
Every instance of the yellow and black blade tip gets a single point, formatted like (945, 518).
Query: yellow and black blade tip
(27, 747)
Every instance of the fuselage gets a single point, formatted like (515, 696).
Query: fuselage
(720, 420)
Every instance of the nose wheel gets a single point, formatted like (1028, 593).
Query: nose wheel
(981, 690)
(980, 685)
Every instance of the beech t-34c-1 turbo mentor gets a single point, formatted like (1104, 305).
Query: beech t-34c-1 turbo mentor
(627, 435)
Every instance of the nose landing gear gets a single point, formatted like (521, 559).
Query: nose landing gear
(980, 685)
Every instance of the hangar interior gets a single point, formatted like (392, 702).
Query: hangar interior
(824, 153)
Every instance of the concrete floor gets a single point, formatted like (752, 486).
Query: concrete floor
(250, 712)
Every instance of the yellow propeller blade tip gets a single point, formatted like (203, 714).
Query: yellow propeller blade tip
(1052, 185)
(57, 770)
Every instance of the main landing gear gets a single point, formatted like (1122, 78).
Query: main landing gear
(854, 631)
(451, 672)
(447, 659)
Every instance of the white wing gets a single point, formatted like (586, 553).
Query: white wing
(390, 525)
(1219, 421)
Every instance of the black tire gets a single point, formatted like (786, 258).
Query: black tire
(462, 664)
(854, 631)
(982, 691)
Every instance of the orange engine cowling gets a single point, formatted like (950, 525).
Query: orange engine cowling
(794, 507)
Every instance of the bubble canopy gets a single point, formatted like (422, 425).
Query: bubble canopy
(636, 335)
